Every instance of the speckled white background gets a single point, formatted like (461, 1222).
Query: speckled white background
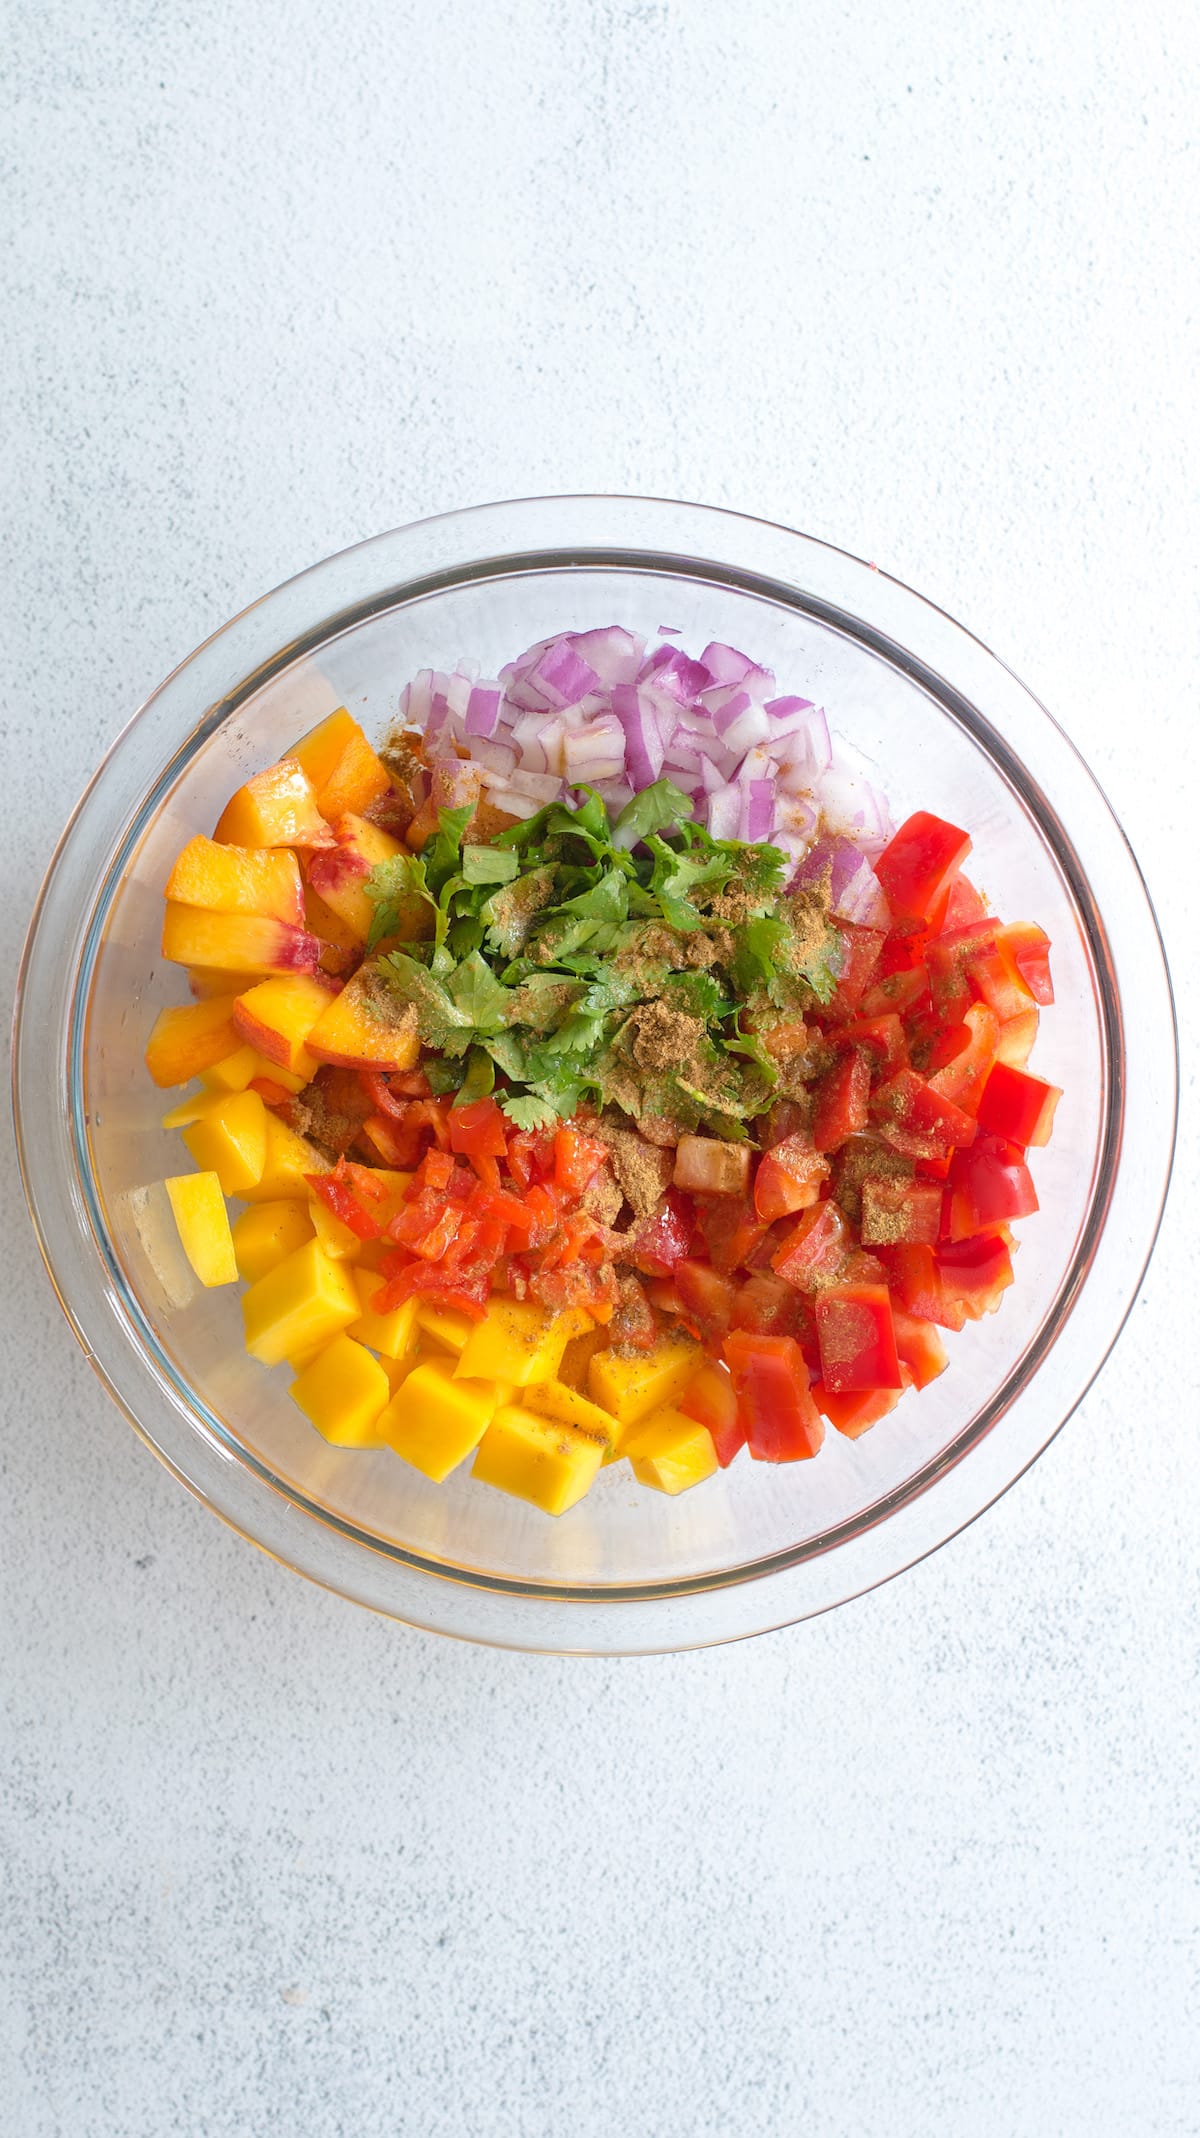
(920, 280)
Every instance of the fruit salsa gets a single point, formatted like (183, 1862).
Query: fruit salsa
(602, 1077)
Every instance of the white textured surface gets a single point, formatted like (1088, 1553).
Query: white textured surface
(920, 281)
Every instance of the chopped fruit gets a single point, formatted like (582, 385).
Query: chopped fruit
(444, 1325)
(233, 1072)
(236, 942)
(344, 1393)
(266, 1234)
(302, 1303)
(775, 1404)
(918, 864)
(340, 945)
(238, 879)
(277, 1016)
(669, 1452)
(1015, 1043)
(789, 1178)
(704, 1165)
(857, 1339)
(202, 1222)
(853, 1413)
(188, 1110)
(343, 768)
(1018, 1107)
(394, 1334)
(551, 1399)
(275, 808)
(633, 1387)
(339, 1242)
(339, 874)
(986, 1186)
(365, 1026)
(230, 1140)
(184, 1042)
(518, 1341)
(919, 1347)
(897, 1212)
(287, 1163)
(543, 1460)
(710, 1398)
(435, 1420)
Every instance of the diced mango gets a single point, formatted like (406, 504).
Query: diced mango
(238, 879)
(344, 1393)
(202, 1222)
(184, 1042)
(277, 1016)
(267, 1232)
(444, 1325)
(543, 1460)
(306, 1300)
(366, 1026)
(289, 1157)
(552, 1399)
(343, 768)
(434, 1420)
(276, 807)
(236, 942)
(633, 1387)
(233, 1072)
(394, 1333)
(518, 1341)
(670, 1452)
(188, 1110)
(230, 1140)
(337, 1239)
(578, 1356)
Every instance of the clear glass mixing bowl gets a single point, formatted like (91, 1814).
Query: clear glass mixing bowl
(949, 728)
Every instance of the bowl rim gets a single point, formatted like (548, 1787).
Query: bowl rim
(351, 572)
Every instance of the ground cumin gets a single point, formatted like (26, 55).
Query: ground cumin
(666, 1040)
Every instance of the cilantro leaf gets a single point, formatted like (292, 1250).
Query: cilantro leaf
(527, 1111)
(654, 809)
(757, 953)
(478, 995)
(489, 864)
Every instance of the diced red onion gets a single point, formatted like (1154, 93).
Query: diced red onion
(724, 663)
(724, 812)
(544, 787)
(483, 709)
(613, 654)
(756, 811)
(855, 893)
(643, 736)
(498, 757)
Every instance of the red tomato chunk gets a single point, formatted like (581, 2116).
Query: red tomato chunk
(857, 1338)
(775, 1404)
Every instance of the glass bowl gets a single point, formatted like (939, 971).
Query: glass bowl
(628, 1570)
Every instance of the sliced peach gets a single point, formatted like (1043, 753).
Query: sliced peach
(236, 942)
(186, 1041)
(204, 985)
(274, 808)
(277, 1016)
(339, 944)
(343, 768)
(238, 879)
(365, 1026)
(338, 875)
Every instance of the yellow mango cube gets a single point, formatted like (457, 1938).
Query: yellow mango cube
(553, 1399)
(670, 1452)
(344, 1393)
(394, 1333)
(444, 1324)
(232, 1073)
(265, 1233)
(202, 1223)
(230, 1140)
(186, 1111)
(303, 1302)
(633, 1387)
(336, 1238)
(518, 1341)
(434, 1420)
(286, 1161)
(544, 1460)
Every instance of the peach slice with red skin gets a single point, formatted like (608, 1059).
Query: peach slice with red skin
(343, 769)
(274, 808)
(365, 1027)
(238, 879)
(184, 1042)
(339, 874)
(276, 1017)
(236, 942)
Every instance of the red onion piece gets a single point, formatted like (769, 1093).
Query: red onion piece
(855, 893)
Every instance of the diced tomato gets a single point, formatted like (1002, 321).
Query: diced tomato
(882, 1040)
(436, 1170)
(973, 1274)
(463, 1294)
(577, 1160)
(664, 1296)
(949, 960)
(1028, 948)
(708, 1298)
(789, 1177)
(916, 1120)
(1017, 1035)
(815, 1249)
(731, 1230)
(917, 865)
(531, 1156)
(790, 1036)
(897, 994)
(861, 948)
(901, 1212)
(964, 906)
(919, 1348)
(986, 1186)
(856, 1337)
(775, 1405)
(841, 1102)
(996, 981)
(1018, 1107)
(545, 1210)
(768, 1305)
(961, 1079)
(664, 1238)
(335, 1191)
(709, 1165)
(854, 1412)
(915, 1282)
(579, 1286)
(477, 1130)
(711, 1399)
